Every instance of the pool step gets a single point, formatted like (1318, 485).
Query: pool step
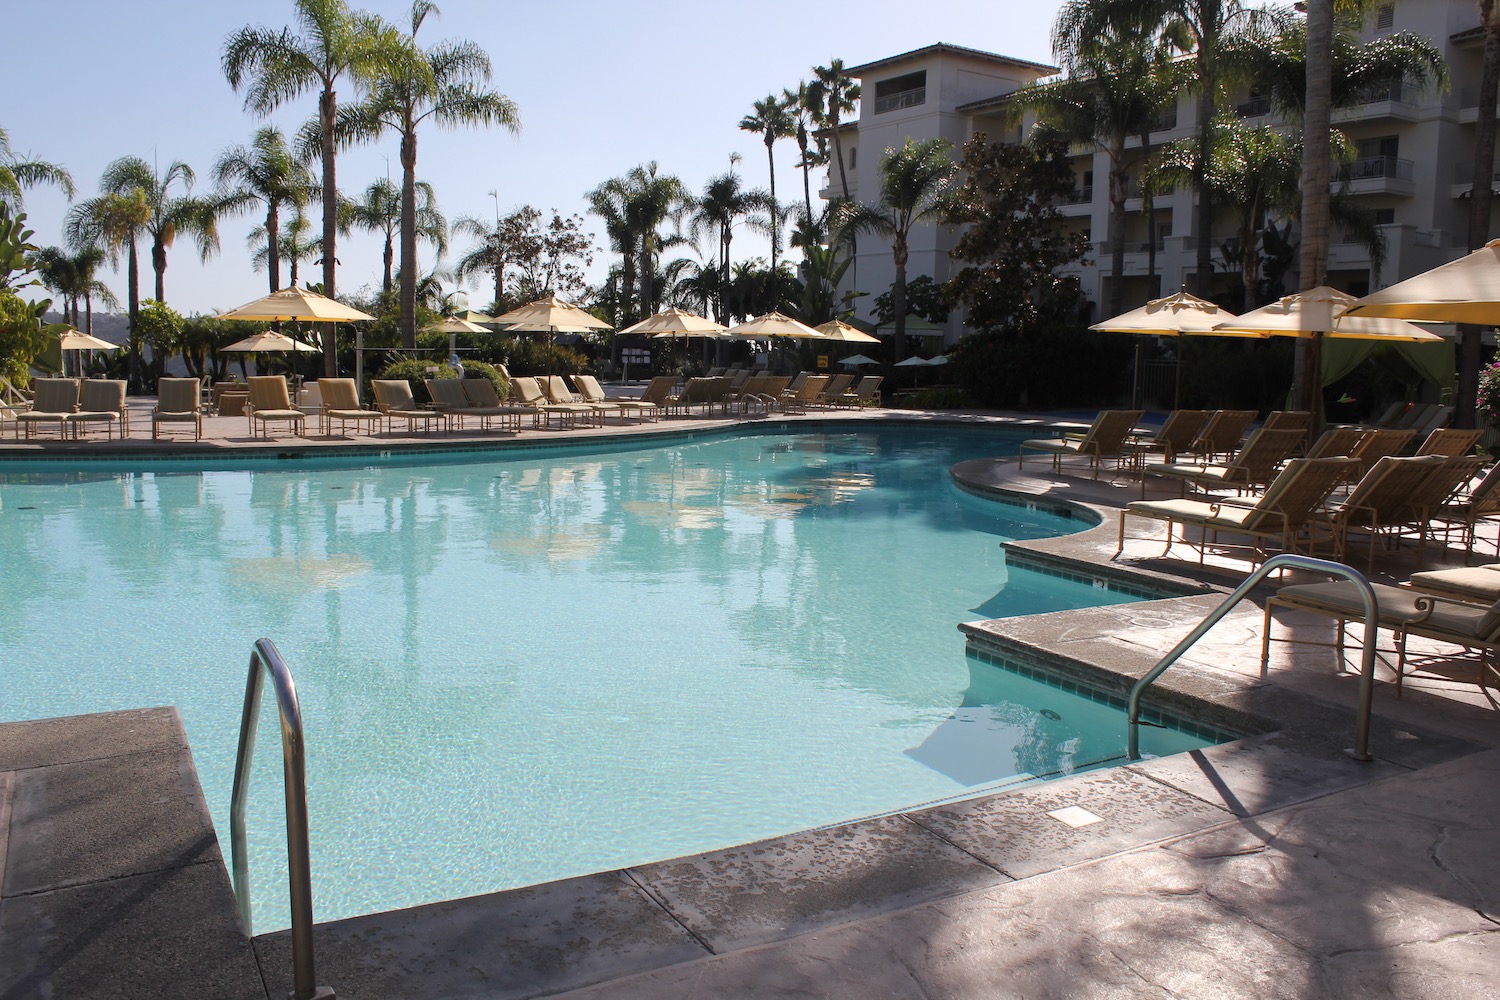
(113, 883)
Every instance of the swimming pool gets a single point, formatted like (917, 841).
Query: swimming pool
(524, 666)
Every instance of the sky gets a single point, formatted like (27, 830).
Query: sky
(601, 87)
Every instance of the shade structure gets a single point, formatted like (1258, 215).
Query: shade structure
(916, 326)
(1175, 315)
(473, 316)
(676, 322)
(296, 304)
(1321, 310)
(839, 330)
(1466, 290)
(76, 340)
(773, 324)
(454, 324)
(859, 359)
(551, 315)
(269, 342)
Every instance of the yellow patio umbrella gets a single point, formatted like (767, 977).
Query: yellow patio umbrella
(1176, 315)
(455, 324)
(839, 330)
(675, 322)
(269, 342)
(296, 304)
(1466, 290)
(1322, 311)
(76, 340)
(773, 324)
(551, 315)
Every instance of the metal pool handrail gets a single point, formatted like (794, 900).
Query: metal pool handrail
(1287, 560)
(265, 659)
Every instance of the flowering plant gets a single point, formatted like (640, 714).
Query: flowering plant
(1489, 393)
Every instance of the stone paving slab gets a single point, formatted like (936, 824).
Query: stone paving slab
(165, 934)
(522, 943)
(76, 738)
(779, 888)
(106, 818)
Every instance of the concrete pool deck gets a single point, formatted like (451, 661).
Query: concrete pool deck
(1273, 865)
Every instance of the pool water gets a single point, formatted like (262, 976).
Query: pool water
(533, 665)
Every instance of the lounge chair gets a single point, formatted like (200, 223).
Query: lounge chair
(1338, 442)
(529, 394)
(560, 394)
(837, 385)
(1381, 443)
(764, 391)
(394, 401)
(53, 401)
(1221, 435)
(1449, 441)
(1480, 584)
(592, 393)
(1438, 419)
(866, 392)
(1255, 465)
(341, 402)
(269, 401)
(799, 400)
(657, 392)
(101, 401)
(1278, 514)
(1104, 439)
(1403, 611)
(1381, 503)
(178, 401)
(1176, 433)
(1468, 506)
(486, 404)
(450, 397)
(1290, 420)
(1409, 417)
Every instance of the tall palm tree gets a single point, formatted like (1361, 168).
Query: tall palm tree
(114, 223)
(264, 172)
(724, 204)
(277, 66)
(295, 243)
(500, 245)
(174, 211)
(771, 120)
(913, 180)
(379, 211)
(609, 202)
(443, 84)
(831, 95)
(18, 171)
(1114, 58)
(651, 199)
(813, 150)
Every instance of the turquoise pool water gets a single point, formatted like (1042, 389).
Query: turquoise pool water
(545, 664)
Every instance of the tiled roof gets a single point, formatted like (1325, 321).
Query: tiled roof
(944, 47)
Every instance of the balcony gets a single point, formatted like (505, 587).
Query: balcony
(1399, 101)
(1255, 107)
(904, 99)
(1377, 175)
(1080, 195)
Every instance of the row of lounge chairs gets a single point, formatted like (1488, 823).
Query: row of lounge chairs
(72, 405)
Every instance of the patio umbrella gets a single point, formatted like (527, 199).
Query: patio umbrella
(551, 316)
(859, 359)
(773, 324)
(1175, 315)
(454, 324)
(76, 340)
(839, 330)
(269, 342)
(676, 322)
(1466, 290)
(300, 304)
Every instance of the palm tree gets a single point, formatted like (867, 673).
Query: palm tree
(17, 171)
(264, 172)
(813, 149)
(831, 95)
(1114, 90)
(722, 206)
(651, 199)
(443, 84)
(171, 215)
(913, 180)
(771, 120)
(275, 67)
(608, 201)
(113, 223)
(379, 212)
(294, 244)
(500, 246)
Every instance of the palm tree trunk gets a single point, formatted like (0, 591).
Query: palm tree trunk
(327, 115)
(389, 257)
(1203, 219)
(1118, 189)
(1148, 209)
(1315, 161)
(499, 282)
(1466, 392)
(409, 238)
(775, 216)
(273, 244)
(159, 265)
(806, 167)
(898, 296)
(133, 306)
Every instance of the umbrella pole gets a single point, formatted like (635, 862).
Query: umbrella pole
(1177, 373)
(1135, 389)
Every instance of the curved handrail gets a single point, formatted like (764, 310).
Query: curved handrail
(1287, 560)
(265, 659)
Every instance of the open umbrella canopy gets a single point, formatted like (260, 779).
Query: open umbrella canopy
(453, 324)
(916, 363)
(1466, 290)
(838, 330)
(1173, 316)
(473, 316)
(76, 340)
(296, 304)
(676, 322)
(859, 359)
(269, 341)
(1321, 311)
(551, 314)
(774, 324)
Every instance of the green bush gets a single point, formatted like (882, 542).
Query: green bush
(945, 398)
(528, 357)
(415, 372)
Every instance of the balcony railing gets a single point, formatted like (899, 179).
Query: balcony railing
(905, 99)
(1080, 196)
(1166, 121)
(1254, 107)
(1367, 167)
(1396, 93)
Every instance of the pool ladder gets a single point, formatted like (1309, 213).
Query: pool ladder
(1286, 560)
(264, 659)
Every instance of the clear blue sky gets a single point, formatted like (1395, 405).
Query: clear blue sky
(601, 86)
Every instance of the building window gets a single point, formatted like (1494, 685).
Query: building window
(901, 92)
(853, 157)
(1385, 17)
(1385, 216)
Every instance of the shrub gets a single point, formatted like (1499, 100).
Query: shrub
(943, 398)
(1489, 393)
(415, 371)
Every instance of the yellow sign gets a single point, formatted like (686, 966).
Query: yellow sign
(822, 361)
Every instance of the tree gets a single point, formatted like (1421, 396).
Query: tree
(608, 201)
(275, 67)
(379, 212)
(114, 222)
(23, 336)
(294, 244)
(560, 251)
(161, 329)
(913, 182)
(443, 84)
(169, 215)
(73, 276)
(264, 172)
(831, 95)
(813, 148)
(18, 171)
(651, 200)
(722, 206)
(1117, 86)
(501, 246)
(771, 121)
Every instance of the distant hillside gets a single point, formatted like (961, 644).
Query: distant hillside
(112, 327)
